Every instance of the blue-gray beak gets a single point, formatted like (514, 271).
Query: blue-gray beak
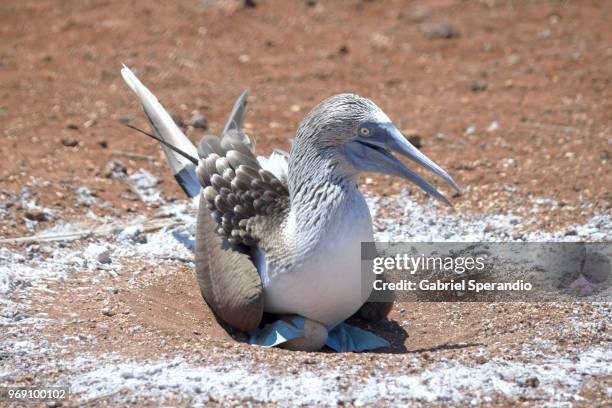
(371, 153)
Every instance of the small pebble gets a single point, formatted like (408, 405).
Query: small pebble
(380, 41)
(90, 123)
(489, 228)
(115, 169)
(478, 85)
(70, 142)
(98, 252)
(36, 215)
(198, 121)
(107, 311)
(127, 120)
(85, 197)
(440, 30)
(126, 375)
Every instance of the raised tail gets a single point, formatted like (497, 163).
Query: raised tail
(166, 130)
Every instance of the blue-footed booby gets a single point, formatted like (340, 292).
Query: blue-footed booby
(283, 234)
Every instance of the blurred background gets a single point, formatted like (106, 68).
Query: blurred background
(512, 97)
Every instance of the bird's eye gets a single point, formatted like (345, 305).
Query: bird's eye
(364, 131)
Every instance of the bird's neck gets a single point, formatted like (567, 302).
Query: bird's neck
(325, 199)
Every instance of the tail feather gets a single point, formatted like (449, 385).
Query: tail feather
(167, 130)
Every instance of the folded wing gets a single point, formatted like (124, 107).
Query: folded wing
(238, 200)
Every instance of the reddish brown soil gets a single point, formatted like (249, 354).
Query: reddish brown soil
(545, 67)
(542, 70)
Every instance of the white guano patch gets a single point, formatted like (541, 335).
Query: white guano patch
(560, 379)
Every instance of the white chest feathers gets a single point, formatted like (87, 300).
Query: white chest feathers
(324, 282)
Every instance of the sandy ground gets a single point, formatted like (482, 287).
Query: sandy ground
(513, 98)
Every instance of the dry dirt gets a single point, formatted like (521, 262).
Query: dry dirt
(516, 105)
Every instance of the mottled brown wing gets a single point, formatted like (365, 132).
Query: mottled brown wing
(227, 276)
(238, 195)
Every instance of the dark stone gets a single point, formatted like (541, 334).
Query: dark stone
(478, 85)
(115, 169)
(36, 215)
(199, 121)
(126, 120)
(440, 30)
(70, 142)
(413, 137)
(416, 141)
(532, 382)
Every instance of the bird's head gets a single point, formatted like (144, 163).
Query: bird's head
(357, 136)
